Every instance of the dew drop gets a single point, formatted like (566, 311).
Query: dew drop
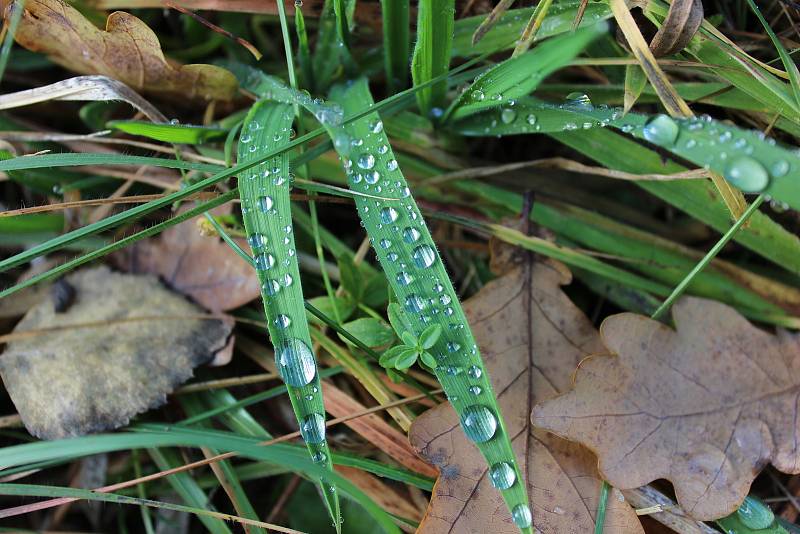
(502, 475)
(383, 149)
(410, 234)
(295, 363)
(475, 372)
(376, 126)
(508, 116)
(479, 423)
(388, 215)
(264, 261)
(265, 203)
(780, 168)
(478, 95)
(257, 241)
(415, 303)
(392, 256)
(366, 161)
(287, 280)
(578, 99)
(313, 428)
(271, 287)
(661, 130)
(444, 300)
(372, 177)
(283, 321)
(403, 278)
(521, 514)
(531, 119)
(319, 457)
(385, 243)
(747, 174)
(423, 256)
(391, 165)
(475, 390)
(452, 346)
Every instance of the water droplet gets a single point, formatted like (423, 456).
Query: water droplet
(502, 475)
(313, 428)
(264, 261)
(265, 203)
(478, 95)
(780, 168)
(385, 243)
(661, 130)
(319, 457)
(531, 119)
(452, 346)
(295, 363)
(283, 321)
(423, 256)
(578, 99)
(388, 215)
(376, 126)
(392, 256)
(403, 278)
(444, 300)
(366, 161)
(475, 390)
(479, 423)
(747, 174)
(415, 303)
(410, 234)
(521, 514)
(475, 372)
(298, 3)
(391, 165)
(508, 116)
(383, 149)
(287, 280)
(372, 177)
(257, 241)
(271, 287)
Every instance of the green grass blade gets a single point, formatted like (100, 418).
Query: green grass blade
(267, 218)
(432, 52)
(395, 42)
(188, 490)
(185, 134)
(519, 76)
(418, 278)
(8, 42)
(46, 161)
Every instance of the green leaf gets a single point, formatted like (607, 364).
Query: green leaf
(371, 331)
(389, 357)
(432, 52)
(266, 211)
(406, 359)
(171, 133)
(429, 336)
(344, 307)
(409, 338)
(428, 359)
(398, 319)
(350, 277)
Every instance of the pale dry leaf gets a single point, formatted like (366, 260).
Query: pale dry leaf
(70, 380)
(201, 266)
(128, 51)
(532, 338)
(705, 406)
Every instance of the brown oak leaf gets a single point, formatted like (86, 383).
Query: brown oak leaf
(128, 51)
(704, 406)
(200, 266)
(532, 337)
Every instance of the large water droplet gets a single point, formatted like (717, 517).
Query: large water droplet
(423, 256)
(283, 321)
(478, 95)
(265, 203)
(502, 475)
(313, 428)
(264, 261)
(388, 215)
(508, 115)
(578, 99)
(411, 235)
(403, 278)
(415, 303)
(747, 174)
(257, 241)
(271, 287)
(661, 130)
(780, 168)
(366, 161)
(391, 165)
(295, 363)
(521, 514)
(376, 126)
(479, 423)
(475, 372)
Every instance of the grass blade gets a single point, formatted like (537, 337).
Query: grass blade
(432, 52)
(267, 219)
(419, 280)
(395, 42)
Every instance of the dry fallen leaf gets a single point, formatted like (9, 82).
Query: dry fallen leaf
(202, 267)
(68, 381)
(532, 338)
(705, 406)
(128, 51)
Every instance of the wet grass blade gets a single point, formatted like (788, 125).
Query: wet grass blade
(266, 212)
(420, 282)
(432, 52)
(185, 134)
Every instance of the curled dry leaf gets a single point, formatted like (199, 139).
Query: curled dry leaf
(532, 338)
(128, 51)
(68, 381)
(704, 406)
(200, 266)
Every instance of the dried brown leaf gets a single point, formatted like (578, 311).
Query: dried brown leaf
(704, 406)
(128, 51)
(71, 380)
(532, 338)
(200, 266)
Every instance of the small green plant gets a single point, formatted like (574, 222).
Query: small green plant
(413, 347)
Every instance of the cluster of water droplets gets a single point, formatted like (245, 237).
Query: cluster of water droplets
(409, 258)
